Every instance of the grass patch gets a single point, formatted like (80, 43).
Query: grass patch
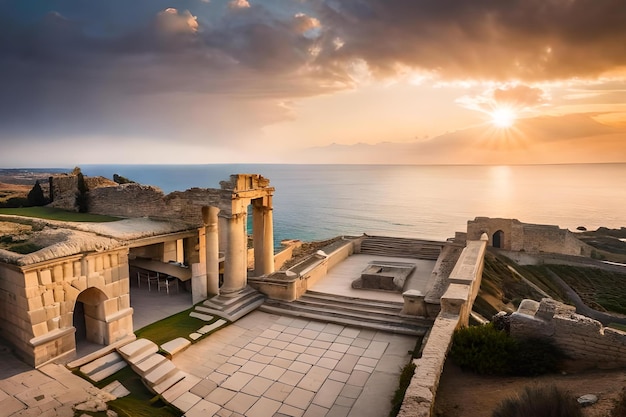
(140, 402)
(617, 326)
(598, 288)
(178, 325)
(398, 396)
(57, 214)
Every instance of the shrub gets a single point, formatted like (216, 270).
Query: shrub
(483, 349)
(405, 381)
(36, 197)
(535, 357)
(539, 402)
(487, 350)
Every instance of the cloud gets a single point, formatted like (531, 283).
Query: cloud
(527, 40)
(173, 21)
(238, 4)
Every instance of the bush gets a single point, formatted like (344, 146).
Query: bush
(486, 350)
(36, 197)
(483, 349)
(539, 402)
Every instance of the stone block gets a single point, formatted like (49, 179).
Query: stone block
(54, 323)
(67, 320)
(106, 261)
(31, 279)
(124, 285)
(96, 330)
(47, 297)
(113, 289)
(71, 292)
(528, 307)
(38, 316)
(68, 271)
(95, 280)
(78, 269)
(53, 310)
(91, 266)
(59, 294)
(57, 273)
(123, 301)
(40, 329)
(175, 346)
(115, 274)
(35, 303)
(45, 277)
(113, 260)
(414, 304)
(100, 262)
(31, 292)
(80, 283)
(107, 276)
(110, 307)
(455, 297)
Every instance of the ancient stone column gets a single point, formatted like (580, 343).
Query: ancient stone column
(268, 237)
(212, 249)
(235, 258)
(258, 241)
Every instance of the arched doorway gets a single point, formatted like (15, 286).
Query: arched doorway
(89, 317)
(497, 240)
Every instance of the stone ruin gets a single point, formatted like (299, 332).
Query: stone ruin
(384, 276)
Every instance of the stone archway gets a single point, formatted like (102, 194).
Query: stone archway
(497, 240)
(89, 317)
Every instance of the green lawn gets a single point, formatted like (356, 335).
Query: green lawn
(178, 325)
(57, 214)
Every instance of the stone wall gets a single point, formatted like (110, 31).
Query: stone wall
(581, 338)
(38, 302)
(532, 238)
(137, 200)
(456, 305)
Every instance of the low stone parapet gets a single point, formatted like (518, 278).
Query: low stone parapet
(581, 338)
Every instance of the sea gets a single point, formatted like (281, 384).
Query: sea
(315, 202)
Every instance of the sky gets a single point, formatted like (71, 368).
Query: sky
(312, 81)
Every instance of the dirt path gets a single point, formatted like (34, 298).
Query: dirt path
(463, 394)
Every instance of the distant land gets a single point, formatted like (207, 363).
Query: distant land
(541, 140)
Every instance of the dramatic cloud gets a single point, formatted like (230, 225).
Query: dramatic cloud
(217, 72)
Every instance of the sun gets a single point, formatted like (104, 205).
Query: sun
(503, 117)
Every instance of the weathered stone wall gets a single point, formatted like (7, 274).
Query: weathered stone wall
(456, 304)
(532, 238)
(136, 200)
(38, 303)
(581, 338)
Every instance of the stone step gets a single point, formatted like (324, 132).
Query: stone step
(171, 379)
(160, 373)
(175, 346)
(104, 367)
(233, 308)
(148, 364)
(329, 311)
(360, 308)
(172, 393)
(100, 363)
(138, 350)
(361, 302)
(414, 248)
(411, 331)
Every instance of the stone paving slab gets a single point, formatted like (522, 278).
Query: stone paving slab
(175, 346)
(264, 365)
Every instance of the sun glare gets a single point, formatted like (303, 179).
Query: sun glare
(503, 117)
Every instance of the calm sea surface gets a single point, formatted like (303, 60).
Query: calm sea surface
(432, 202)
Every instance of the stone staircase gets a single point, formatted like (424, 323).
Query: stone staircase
(232, 307)
(401, 247)
(370, 314)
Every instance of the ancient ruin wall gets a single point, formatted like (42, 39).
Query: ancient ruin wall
(136, 200)
(532, 238)
(38, 303)
(581, 338)
(456, 304)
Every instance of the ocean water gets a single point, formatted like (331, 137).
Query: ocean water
(432, 202)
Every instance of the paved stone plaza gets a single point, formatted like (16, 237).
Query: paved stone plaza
(267, 365)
